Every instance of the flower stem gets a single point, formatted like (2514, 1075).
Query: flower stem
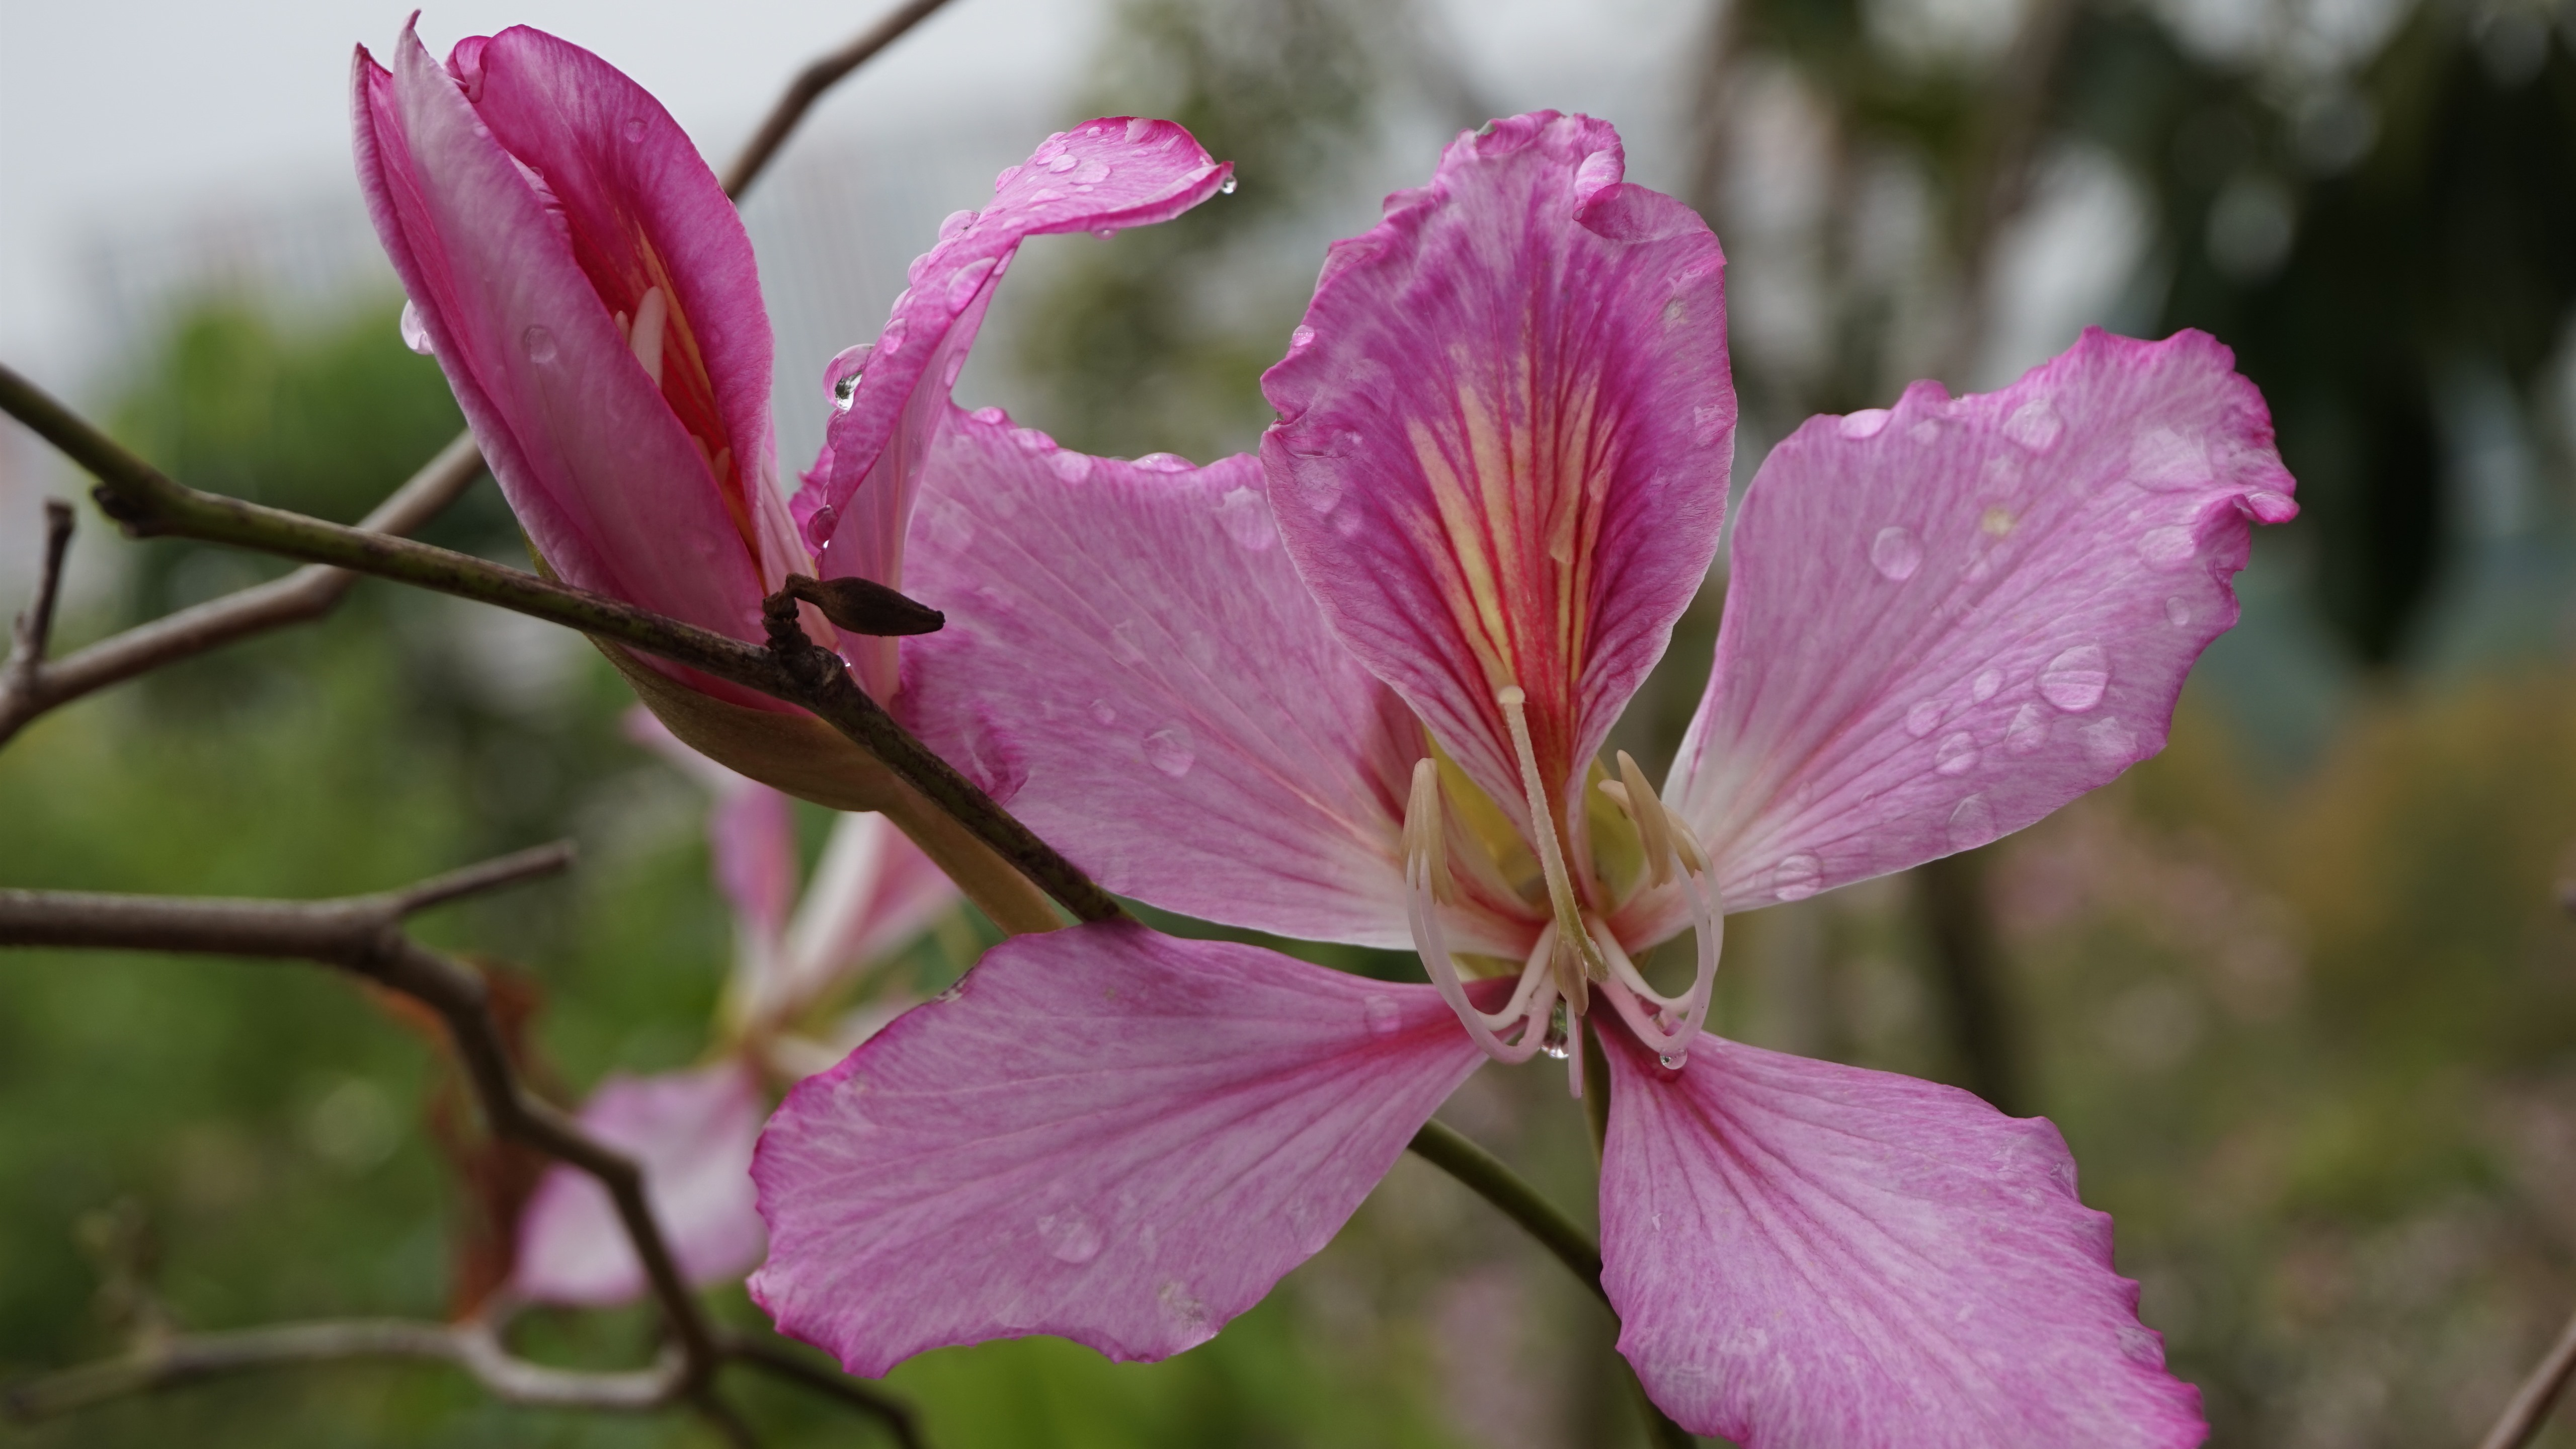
(1484, 1174)
(1661, 1432)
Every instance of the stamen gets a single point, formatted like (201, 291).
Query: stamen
(1551, 856)
(1648, 813)
(1426, 834)
(1425, 871)
(646, 339)
(1667, 837)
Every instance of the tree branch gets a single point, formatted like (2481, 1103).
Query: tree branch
(808, 87)
(148, 504)
(775, 1358)
(32, 632)
(311, 592)
(2531, 1403)
(1484, 1174)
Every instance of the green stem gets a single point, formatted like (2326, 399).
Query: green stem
(1484, 1174)
(1661, 1432)
(137, 495)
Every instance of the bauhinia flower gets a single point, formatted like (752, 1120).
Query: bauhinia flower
(692, 1130)
(589, 291)
(1354, 691)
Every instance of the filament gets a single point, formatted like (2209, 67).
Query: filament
(1551, 856)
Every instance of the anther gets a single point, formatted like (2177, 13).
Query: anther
(1426, 834)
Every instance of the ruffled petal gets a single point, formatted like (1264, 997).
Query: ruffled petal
(1105, 1134)
(1504, 436)
(1132, 663)
(1100, 176)
(1804, 1254)
(1945, 621)
(692, 1132)
(611, 486)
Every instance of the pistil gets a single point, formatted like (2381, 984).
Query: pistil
(1580, 957)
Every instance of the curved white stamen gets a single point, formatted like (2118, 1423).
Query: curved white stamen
(646, 339)
(1670, 1032)
(1425, 873)
(1433, 944)
(1551, 856)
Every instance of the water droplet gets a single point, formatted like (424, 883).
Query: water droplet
(1673, 1062)
(949, 996)
(1163, 463)
(1091, 172)
(1070, 466)
(1123, 645)
(1986, 684)
(1064, 163)
(948, 374)
(1168, 750)
(841, 374)
(1385, 1017)
(2178, 612)
(539, 344)
(2167, 548)
(634, 128)
(1302, 336)
(2028, 731)
(2271, 507)
(1184, 1308)
(2164, 460)
(1710, 423)
(1106, 232)
(1957, 754)
(1896, 553)
(2035, 426)
(1924, 718)
(961, 287)
(1138, 128)
(1227, 189)
(1972, 823)
(2074, 681)
(415, 333)
(2109, 742)
(1032, 441)
(1797, 877)
(818, 528)
(1102, 714)
(1863, 424)
(1246, 516)
(954, 224)
(990, 417)
(1043, 195)
(1070, 1235)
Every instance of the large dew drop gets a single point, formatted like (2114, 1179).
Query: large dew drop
(415, 333)
(1972, 823)
(1168, 750)
(2074, 681)
(1797, 877)
(1070, 1235)
(1896, 553)
(538, 344)
(1957, 754)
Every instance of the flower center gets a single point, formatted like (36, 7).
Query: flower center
(1575, 950)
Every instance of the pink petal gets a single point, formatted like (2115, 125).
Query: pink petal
(1946, 621)
(1131, 660)
(1106, 1134)
(1504, 436)
(692, 1132)
(1101, 176)
(1809, 1254)
(751, 833)
(505, 246)
(872, 892)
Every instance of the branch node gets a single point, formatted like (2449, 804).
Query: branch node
(862, 606)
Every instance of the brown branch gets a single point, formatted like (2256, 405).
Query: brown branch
(777, 1359)
(311, 592)
(2531, 1403)
(808, 87)
(32, 632)
(148, 504)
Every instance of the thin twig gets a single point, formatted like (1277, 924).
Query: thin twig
(772, 1357)
(33, 631)
(808, 87)
(313, 591)
(148, 504)
(302, 596)
(2531, 1403)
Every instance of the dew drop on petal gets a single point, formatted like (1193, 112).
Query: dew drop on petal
(1122, 643)
(841, 374)
(954, 224)
(1138, 128)
(2109, 742)
(990, 417)
(1070, 466)
(538, 344)
(1246, 516)
(1032, 441)
(1070, 1235)
(1896, 553)
(2167, 548)
(1972, 823)
(961, 287)
(1385, 1018)
(1673, 1062)
(415, 333)
(1102, 714)
(1168, 750)
(818, 528)
(1797, 877)
(2074, 680)
(1985, 685)
(2178, 612)
(1163, 463)
(1924, 718)
(1043, 195)
(1957, 754)
(1106, 232)
(1228, 188)
(2270, 507)
(1863, 424)
(2035, 426)
(2028, 731)
(1063, 163)
(1091, 172)
(1302, 336)
(2163, 459)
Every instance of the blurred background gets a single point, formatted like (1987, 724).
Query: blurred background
(2297, 991)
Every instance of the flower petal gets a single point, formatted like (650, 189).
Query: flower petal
(1106, 1134)
(611, 486)
(1131, 660)
(872, 892)
(692, 1132)
(1809, 1254)
(1101, 176)
(751, 834)
(1945, 621)
(1504, 436)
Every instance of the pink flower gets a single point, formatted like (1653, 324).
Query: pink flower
(871, 894)
(1353, 691)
